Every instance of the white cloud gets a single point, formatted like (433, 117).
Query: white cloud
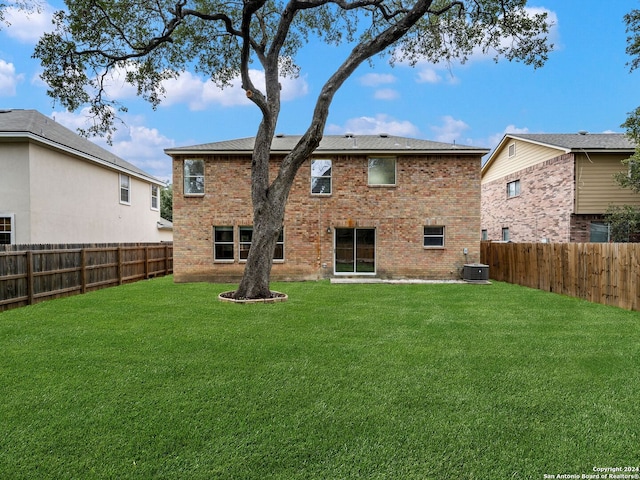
(28, 27)
(381, 123)
(428, 75)
(386, 94)
(199, 93)
(9, 79)
(429, 72)
(450, 131)
(133, 142)
(376, 79)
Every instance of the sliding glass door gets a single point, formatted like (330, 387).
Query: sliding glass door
(355, 250)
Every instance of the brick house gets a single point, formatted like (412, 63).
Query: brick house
(377, 205)
(553, 187)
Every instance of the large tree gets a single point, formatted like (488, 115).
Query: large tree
(155, 40)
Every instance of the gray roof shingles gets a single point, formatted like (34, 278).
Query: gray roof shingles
(333, 143)
(35, 125)
(578, 141)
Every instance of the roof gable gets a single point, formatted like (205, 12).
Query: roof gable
(34, 126)
(565, 143)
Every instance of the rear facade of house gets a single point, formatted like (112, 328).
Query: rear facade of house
(371, 206)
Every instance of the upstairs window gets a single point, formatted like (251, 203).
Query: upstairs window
(125, 189)
(321, 177)
(512, 150)
(382, 171)
(513, 189)
(194, 176)
(155, 197)
(433, 237)
(6, 229)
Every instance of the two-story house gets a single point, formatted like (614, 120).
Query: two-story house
(373, 205)
(553, 187)
(58, 187)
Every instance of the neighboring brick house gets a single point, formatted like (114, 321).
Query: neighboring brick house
(553, 187)
(375, 205)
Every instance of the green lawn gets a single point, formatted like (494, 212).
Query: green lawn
(157, 380)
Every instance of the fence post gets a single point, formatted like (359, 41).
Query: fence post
(120, 265)
(30, 292)
(166, 259)
(146, 261)
(83, 270)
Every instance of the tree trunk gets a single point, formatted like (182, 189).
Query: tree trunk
(267, 223)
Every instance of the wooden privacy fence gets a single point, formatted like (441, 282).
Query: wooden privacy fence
(606, 273)
(30, 274)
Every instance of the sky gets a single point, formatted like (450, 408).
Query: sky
(585, 85)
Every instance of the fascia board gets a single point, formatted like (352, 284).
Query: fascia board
(76, 153)
(195, 152)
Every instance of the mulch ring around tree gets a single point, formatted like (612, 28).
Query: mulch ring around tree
(275, 297)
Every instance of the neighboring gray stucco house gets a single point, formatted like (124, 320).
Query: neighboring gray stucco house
(553, 187)
(58, 187)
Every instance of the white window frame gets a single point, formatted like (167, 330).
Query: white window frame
(12, 232)
(315, 177)
(515, 191)
(216, 242)
(375, 183)
(125, 188)
(506, 235)
(242, 257)
(512, 150)
(155, 198)
(433, 235)
(186, 178)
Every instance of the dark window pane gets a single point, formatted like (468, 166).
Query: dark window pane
(224, 252)
(321, 185)
(224, 234)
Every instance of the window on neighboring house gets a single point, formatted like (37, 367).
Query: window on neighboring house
(6, 229)
(599, 232)
(485, 234)
(155, 197)
(512, 150)
(505, 234)
(433, 237)
(223, 243)
(245, 235)
(382, 171)
(125, 189)
(513, 189)
(321, 177)
(194, 176)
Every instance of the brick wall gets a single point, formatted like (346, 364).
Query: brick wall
(541, 211)
(431, 190)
